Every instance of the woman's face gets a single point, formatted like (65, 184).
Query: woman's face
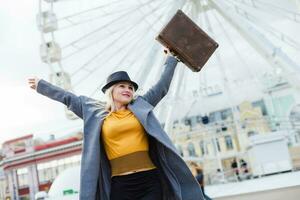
(123, 93)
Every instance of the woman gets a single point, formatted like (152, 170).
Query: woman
(126, 154)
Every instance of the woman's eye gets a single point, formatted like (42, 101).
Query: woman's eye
(131, 88)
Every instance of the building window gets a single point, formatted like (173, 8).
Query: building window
(214, 116)
(187, 122)
(191, 149)
(228, 141)
(202, 148)
(175, 123)
(24, 197)
(251, 133)
(193, 121)
(261, 105)
(226, 113)
(179, 148)
(22, 177)
(48, 171)
(218, 145)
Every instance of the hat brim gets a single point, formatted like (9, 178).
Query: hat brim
(108, 85)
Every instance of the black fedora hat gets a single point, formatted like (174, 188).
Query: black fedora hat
(117, 77)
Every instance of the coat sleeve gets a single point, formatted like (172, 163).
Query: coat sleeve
(72, 101)
(160, 89)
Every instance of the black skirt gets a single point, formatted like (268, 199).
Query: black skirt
(143, 185)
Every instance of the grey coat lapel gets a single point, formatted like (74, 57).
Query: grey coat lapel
(143, 111)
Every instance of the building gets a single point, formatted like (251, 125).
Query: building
(215, 140)
(30, 166)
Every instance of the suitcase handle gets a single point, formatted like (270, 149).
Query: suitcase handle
(174, 54)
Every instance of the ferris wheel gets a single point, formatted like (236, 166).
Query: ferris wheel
(82, 42)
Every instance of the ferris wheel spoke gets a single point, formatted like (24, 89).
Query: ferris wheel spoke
(118, 50)
(110, 33)
(92, 71)
(141, 42)
(73, 23)
(143, 75)
(221, 66)
(134, 45)
(264, 8)
(278, 8)
(262, 45)
(110, 44)
(131, 64)
(267, 28)
(202, 76)
(275, 33)
(90, 10)
(101, 51)
(126, 14)
(93, 43)
(233, 46)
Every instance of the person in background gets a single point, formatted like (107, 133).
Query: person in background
(235, 168)
(200, 178)
(244, 169)
(220, 176)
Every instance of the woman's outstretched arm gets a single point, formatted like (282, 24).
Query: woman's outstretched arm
(72, 101)
(160, 89)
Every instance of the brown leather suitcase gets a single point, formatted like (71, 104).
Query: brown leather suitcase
(188, 41)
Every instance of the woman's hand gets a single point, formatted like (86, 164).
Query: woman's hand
(168, 52)
(33, 82)
(171, 53)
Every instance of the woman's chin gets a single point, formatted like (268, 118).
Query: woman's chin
(126, 101)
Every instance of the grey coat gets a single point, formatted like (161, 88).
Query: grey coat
(178, 181)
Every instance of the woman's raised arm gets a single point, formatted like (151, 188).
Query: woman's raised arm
(72, 101)
(160, 89)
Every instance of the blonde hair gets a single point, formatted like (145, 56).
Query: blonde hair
(110, 104)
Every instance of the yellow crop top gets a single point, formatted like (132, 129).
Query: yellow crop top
(125, 142)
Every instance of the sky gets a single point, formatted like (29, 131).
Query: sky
(23, 110)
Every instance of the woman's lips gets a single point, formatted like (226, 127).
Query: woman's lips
(126, 95)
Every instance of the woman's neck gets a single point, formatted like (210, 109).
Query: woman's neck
(120, 106)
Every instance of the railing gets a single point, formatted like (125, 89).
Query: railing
(227, 176)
